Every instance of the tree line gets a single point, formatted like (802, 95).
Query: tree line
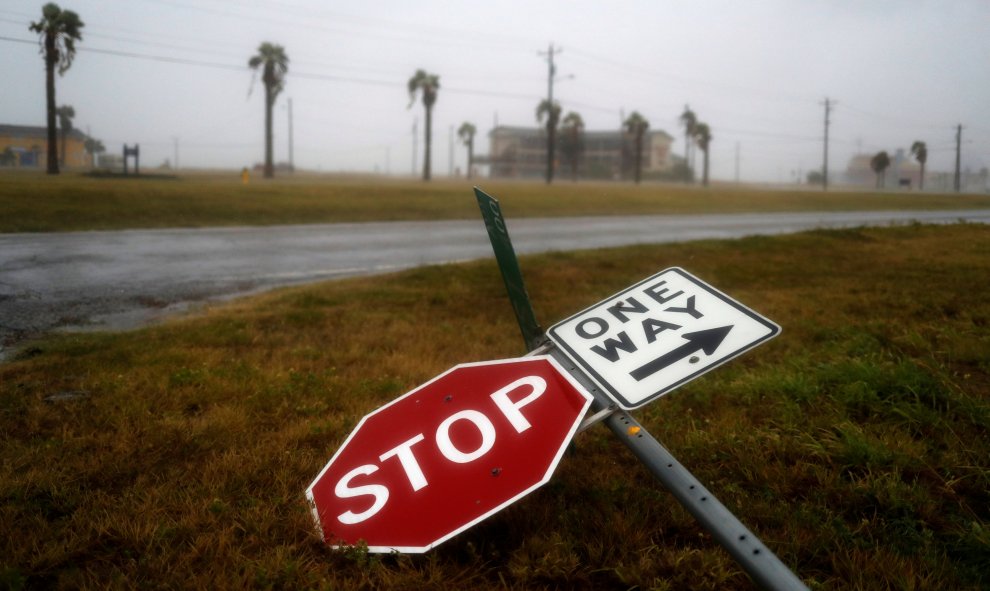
(60, 29)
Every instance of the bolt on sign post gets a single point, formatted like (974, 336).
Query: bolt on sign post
(450, 453)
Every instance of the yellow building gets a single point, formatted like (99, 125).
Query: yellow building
(521, 152)
(25, 146)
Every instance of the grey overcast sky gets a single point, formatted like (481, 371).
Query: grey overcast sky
(757, 71)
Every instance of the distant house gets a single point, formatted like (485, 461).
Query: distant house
(521, 152)
(902, 172)
(26, 146)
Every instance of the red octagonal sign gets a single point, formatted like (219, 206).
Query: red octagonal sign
(441, 458)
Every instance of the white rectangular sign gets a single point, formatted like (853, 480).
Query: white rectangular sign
(655, 336)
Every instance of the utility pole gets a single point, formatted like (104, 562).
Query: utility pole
(292, 164)
(622, 151)
(828, 109)
(956, 179)
(450, 152)
(551, 124)
(175, 149)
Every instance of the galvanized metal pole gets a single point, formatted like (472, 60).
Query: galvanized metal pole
(753, 556)
(508, 264)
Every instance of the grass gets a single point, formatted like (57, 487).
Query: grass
(32, 202)
(856, 444)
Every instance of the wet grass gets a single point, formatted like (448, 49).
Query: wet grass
(856, 444)
(32, 202)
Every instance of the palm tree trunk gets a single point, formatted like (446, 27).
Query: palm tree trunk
(429, 140)
(50, 102)
(269, 167)
(921, 186)
(687, 161)
(62, 158)
(639, 156)
(551, 142)
(470, 157)
(705, 177)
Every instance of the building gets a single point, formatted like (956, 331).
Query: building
(26, 146)
(521, 152)
(902, 172)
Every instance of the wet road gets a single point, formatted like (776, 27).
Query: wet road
(100, 280)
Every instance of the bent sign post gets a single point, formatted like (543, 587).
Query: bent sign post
(448, 454)
(505, 254)
(661, 367)
(657, 335)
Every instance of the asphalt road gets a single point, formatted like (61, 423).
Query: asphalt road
(117, 280)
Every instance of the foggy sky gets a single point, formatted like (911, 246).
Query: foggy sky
(157, 72)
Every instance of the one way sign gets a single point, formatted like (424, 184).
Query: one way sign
(662, 332)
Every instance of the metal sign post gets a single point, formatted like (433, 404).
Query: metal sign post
(762, 565)
(765, 568)
(509, 265)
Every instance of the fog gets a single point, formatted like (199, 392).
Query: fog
(172, 76)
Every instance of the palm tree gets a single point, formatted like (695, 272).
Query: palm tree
(637, 125)
(920, 152)
(93, 147)
(879, 164)
(428, 85)
(466, 133)
(274, 64)
(58, 31)
(703, 137)
(552, 114)
(690, 121)
(65, 114)
(572, 141)
(7, 157)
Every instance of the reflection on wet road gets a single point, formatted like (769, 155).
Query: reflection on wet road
(127, 278)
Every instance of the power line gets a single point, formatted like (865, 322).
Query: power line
(667, 76)
(306, 22)
(295, 74)
(765, 134)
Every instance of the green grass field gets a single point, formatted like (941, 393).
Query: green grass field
(33, 202)
(856, 444)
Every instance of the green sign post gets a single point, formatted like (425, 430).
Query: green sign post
(509, 265)
(765, 568)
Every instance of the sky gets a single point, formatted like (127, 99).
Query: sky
(172, 76)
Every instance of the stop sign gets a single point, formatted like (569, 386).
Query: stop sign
(448, 454)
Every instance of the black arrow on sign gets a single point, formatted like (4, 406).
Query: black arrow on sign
(703, 340)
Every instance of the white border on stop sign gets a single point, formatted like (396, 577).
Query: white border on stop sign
(546, 477)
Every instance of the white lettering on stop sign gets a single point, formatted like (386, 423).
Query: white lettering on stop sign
(404, 452)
